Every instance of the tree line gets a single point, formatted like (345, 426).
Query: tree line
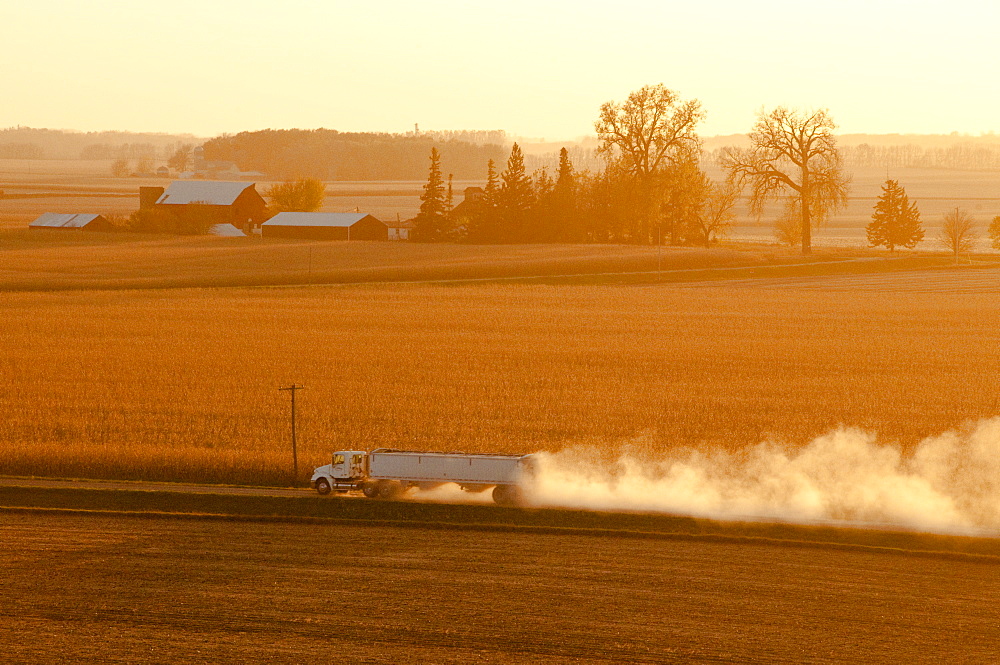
(35, 143)
(652, 187)
(327, 154)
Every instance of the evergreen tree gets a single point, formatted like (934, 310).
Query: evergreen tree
(492, 189)
(541, 222)
(431, 223)
(449, 202)
(483, 225)
(514, 199)
(564, 206)
(896, 221)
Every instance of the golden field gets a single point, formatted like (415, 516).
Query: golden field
(153, 357)
(70, 260)
(182, 384)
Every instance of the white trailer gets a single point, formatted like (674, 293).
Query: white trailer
(386, 473)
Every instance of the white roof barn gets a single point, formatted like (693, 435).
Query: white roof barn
(343, 219)
(325, 226)
(237, 203)
(220, 193)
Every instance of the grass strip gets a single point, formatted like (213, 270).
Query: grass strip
(334, 510)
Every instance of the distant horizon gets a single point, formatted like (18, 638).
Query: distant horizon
(510, 136)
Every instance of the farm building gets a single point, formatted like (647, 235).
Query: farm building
(79, 221)
(473, 203)
(400, 230)
(325, 226)
(236, 203)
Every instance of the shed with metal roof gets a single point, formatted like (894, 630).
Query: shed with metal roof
(78, 221)
(325, 226)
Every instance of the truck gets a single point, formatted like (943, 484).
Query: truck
(386, 473)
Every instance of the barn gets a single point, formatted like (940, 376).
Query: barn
(78, 221)
(325, 226)
(236, 203)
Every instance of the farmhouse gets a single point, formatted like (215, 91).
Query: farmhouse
(79, 221)
(325, 226)
(473, 203)
(236, 203)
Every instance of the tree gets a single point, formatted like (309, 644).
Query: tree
(993, 231)
(564, 206)
(648, 140)
(179, 160)
(431, 223)
(303, 195)
(717, 212)
(650, 130)
(195, 218)
(541, 220)
(515, 198)
(959, 232)
(792, 152)
(152, 220)
(119, 168)
(684, 192)
(896, 221)
(492, 188)
(449, 200)
(144, 165)
(482, 226)
(788, 225)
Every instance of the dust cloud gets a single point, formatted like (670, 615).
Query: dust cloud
(949, 483)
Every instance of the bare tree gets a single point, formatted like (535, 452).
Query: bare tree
(791, 152)
(650, 130)
(179, 160)
(788, 225)
(719, 211)
(119, 168)
(647, 141)
(959, 232)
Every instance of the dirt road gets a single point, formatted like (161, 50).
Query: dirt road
(137, 590)
(6, 481)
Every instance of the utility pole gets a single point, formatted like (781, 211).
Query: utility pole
(659, 250)
(295, 456)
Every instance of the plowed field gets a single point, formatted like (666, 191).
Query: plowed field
(139, 590)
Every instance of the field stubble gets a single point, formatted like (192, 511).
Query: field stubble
(182, 385)
(210, 592)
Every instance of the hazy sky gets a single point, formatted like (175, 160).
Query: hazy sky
(539, 68)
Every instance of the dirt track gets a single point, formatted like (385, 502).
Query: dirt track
(137, 590)
(153, 487)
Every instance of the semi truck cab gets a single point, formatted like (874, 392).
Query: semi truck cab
(345, 470)
(348, 464)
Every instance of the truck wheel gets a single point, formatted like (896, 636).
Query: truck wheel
(370, 490)
(507, 495)
(388, 489)
(323, 486)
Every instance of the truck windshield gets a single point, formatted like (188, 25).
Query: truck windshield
(338, 459)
